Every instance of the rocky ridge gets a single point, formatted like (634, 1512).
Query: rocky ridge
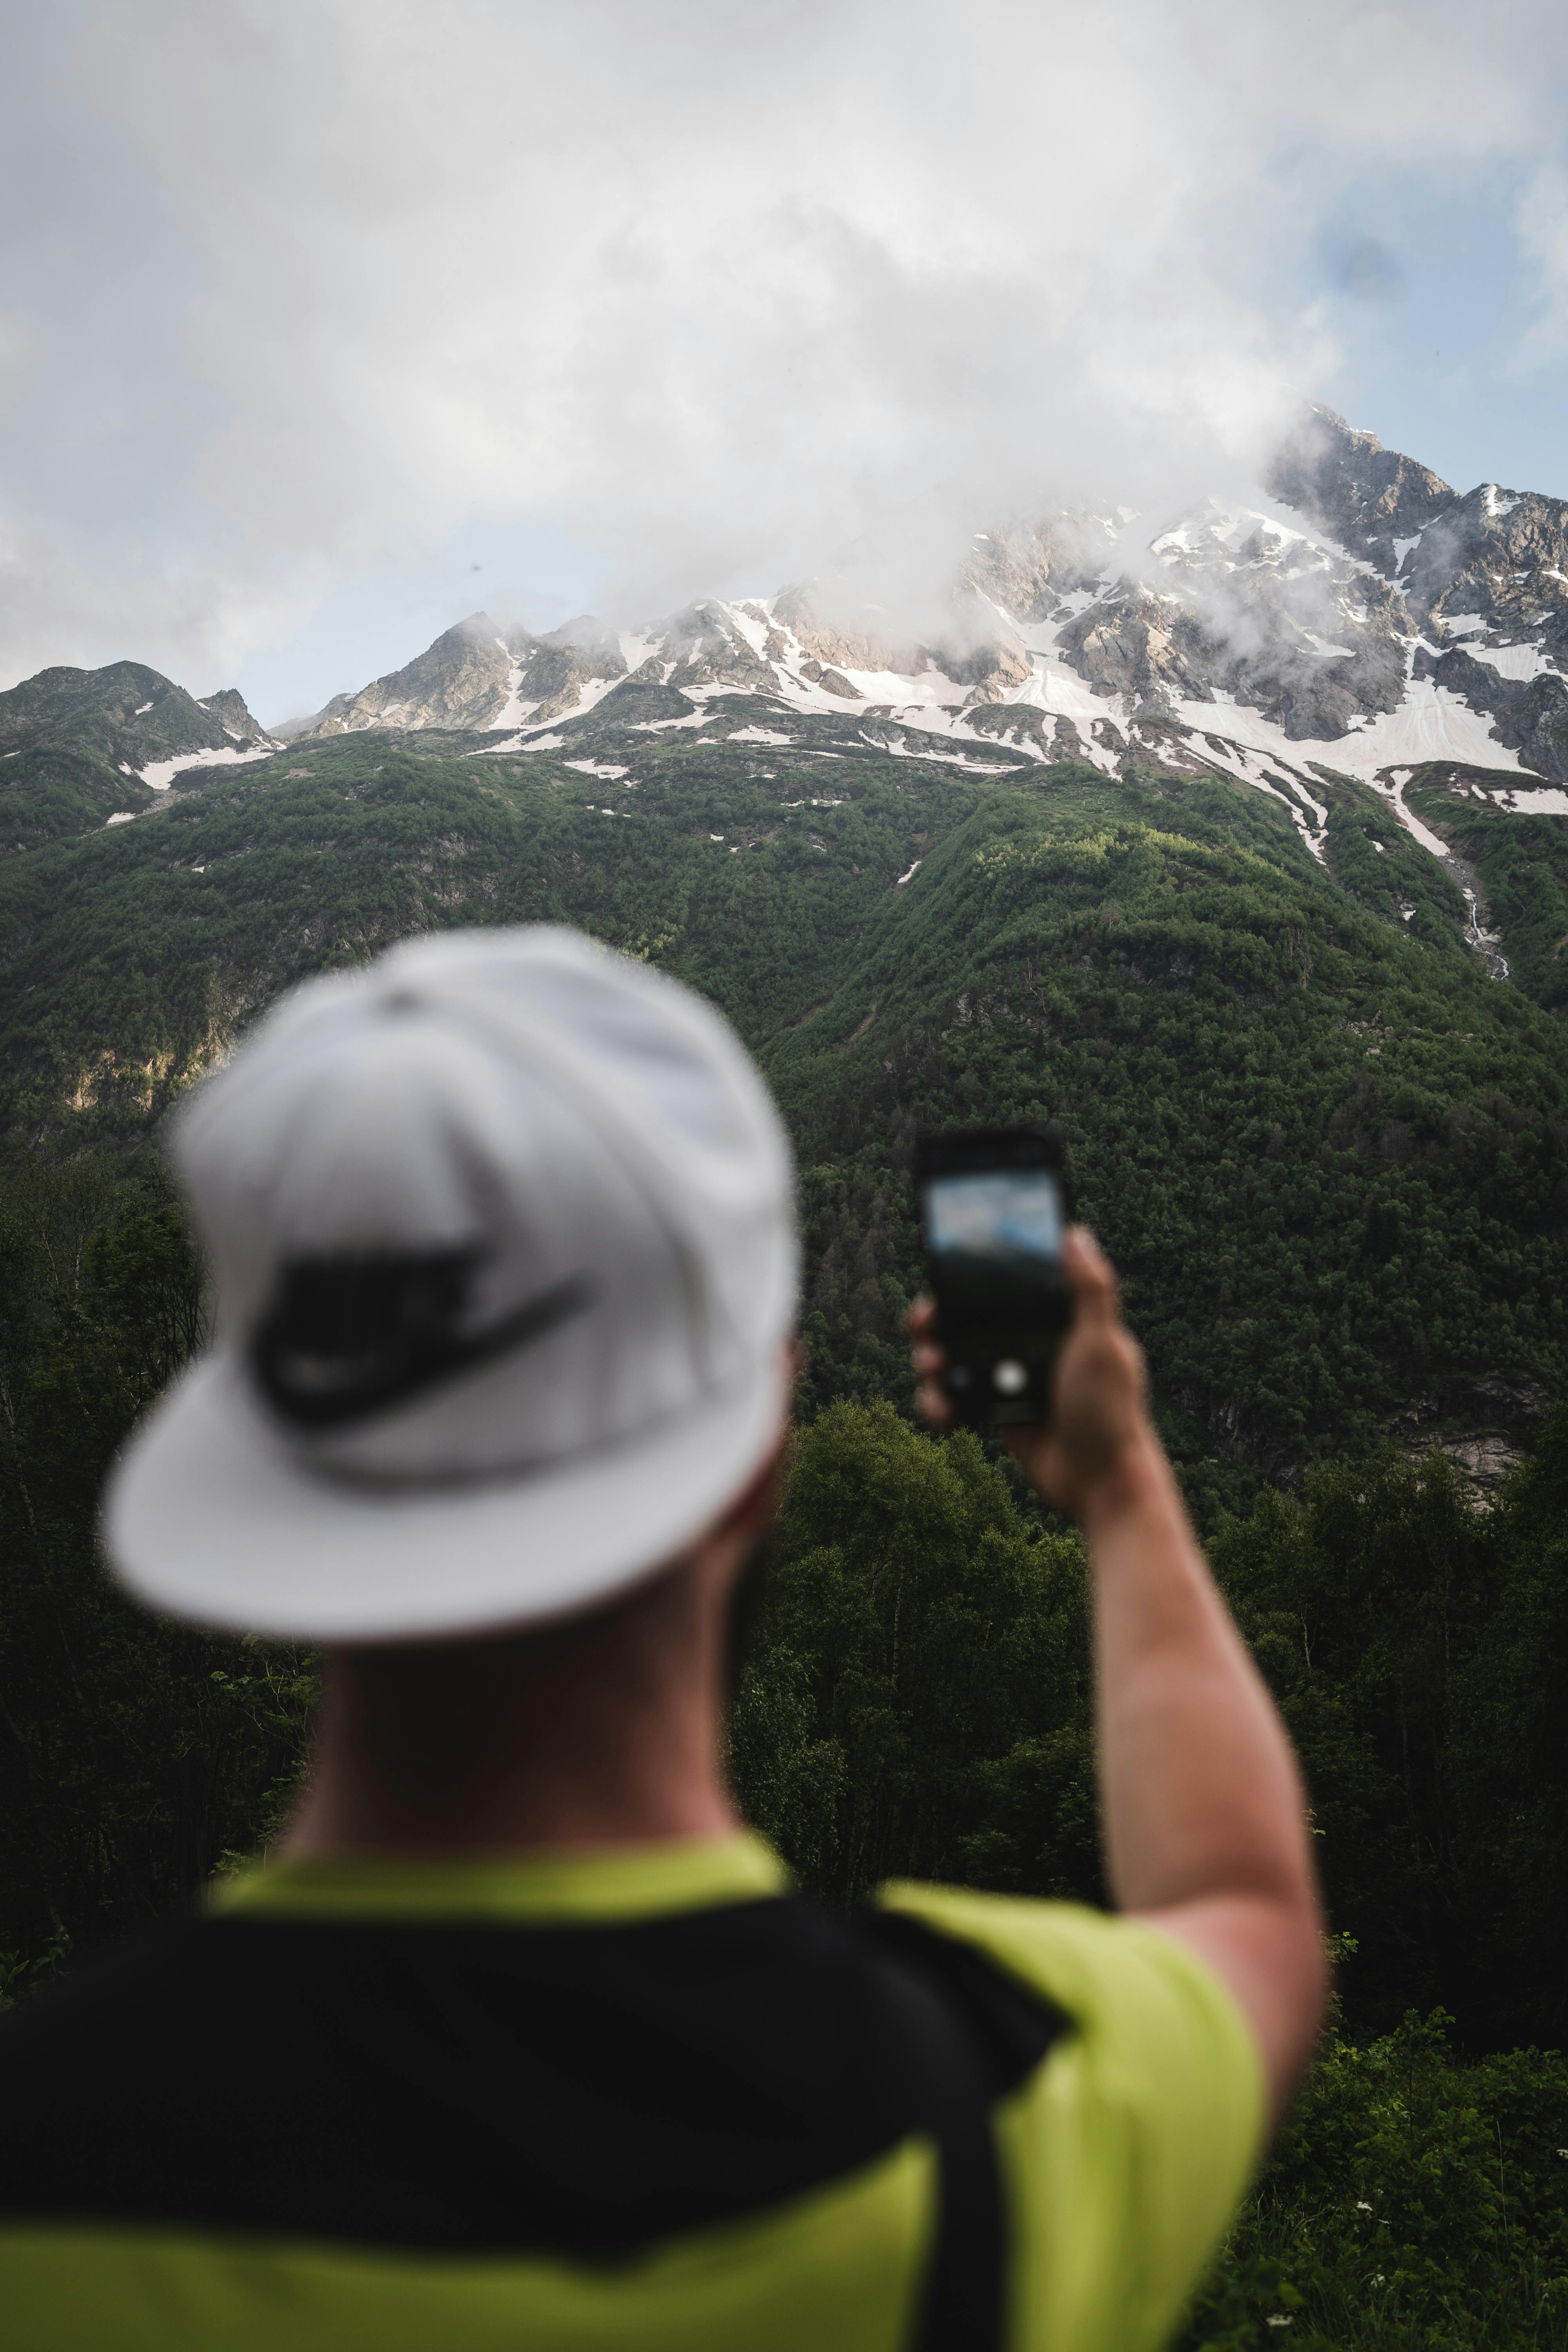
(1359, 619)
(1356, 618)
(96, 746)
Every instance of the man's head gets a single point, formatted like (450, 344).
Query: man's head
(504, 1260)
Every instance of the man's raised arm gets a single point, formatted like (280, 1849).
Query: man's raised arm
(1205, 1821)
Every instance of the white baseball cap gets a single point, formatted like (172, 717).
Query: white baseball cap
(501, 1233)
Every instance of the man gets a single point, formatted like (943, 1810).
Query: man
(518, 2038)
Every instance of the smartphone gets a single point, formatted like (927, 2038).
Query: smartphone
(995, 1210)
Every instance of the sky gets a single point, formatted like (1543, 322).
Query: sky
(322, 325)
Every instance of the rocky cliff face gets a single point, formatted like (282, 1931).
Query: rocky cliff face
(1368, 498)
(1360, 613)
(459, 681)
(477, 676)
(1483, 579)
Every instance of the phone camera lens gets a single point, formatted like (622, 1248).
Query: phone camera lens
(1009, 1378)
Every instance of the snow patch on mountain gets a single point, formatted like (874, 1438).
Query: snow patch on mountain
(1530, 800)
(1392, 790)
(1515, 661)
(160, 773)
(1430, 724)
(513, 710)
(591, 690)
(898, 747)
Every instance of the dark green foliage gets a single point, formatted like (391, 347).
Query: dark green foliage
(133, 957)
(125, 711)
(1326, 1147)
(48, 794)
(1512, 1695)
(132, 1754)
(1371, 856)
(73, 742)
(1416, 1646)
(1414, 2203)
(916, 1700)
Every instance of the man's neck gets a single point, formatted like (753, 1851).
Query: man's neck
(605, 1731)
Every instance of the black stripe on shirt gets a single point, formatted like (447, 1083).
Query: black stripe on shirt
(574, 2091)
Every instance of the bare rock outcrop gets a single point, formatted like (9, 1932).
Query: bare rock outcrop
(1346, 482)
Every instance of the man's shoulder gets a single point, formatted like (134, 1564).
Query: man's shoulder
(1114, 1980)
(1126, 2151)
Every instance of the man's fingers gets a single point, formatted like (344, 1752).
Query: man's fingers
(932, 1402)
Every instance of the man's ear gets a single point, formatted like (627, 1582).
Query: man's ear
(756, 1504)
(758, 1500)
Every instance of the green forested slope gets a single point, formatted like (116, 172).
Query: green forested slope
(133, 957)
(1329, 1155)
(1326, 1146)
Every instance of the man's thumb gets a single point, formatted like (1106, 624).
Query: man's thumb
(1090, 1277)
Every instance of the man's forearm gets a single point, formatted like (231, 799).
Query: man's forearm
(1199, 1788)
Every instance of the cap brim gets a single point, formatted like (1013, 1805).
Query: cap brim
(209, 1517)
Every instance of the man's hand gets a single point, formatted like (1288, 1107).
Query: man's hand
(1100, 1425)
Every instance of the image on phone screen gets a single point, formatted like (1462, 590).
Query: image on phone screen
(1010, 1219)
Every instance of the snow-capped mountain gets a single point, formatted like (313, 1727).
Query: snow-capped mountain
(1357, 616)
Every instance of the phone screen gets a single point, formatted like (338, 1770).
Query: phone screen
(1007, 1221)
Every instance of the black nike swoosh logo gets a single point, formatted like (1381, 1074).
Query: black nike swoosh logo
(349, 1337)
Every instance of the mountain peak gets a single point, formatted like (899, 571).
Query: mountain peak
(83, 746)
(1346, 482)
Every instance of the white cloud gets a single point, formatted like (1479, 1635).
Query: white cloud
(718, 294)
